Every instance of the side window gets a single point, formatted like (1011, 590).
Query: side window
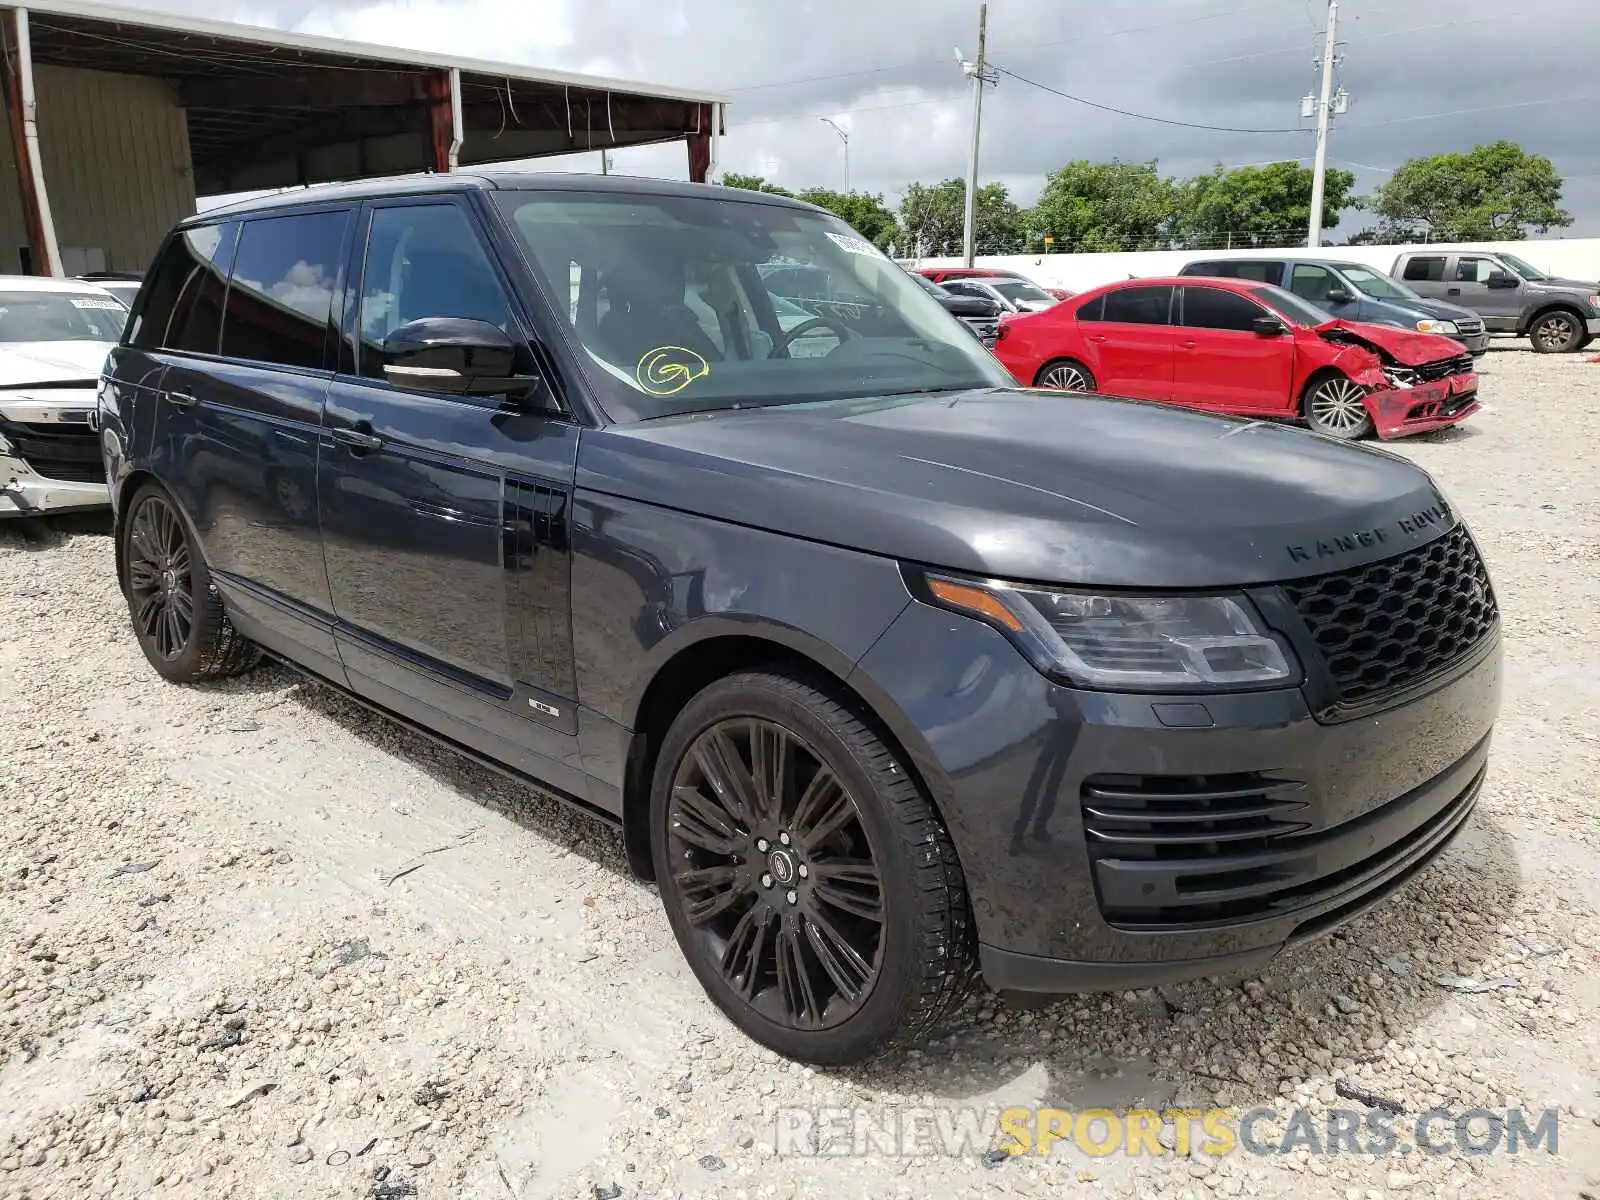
(1212, 308)
(1474, 270)
(280, 302)
(182, 303)
(1094, 310)
(1425, 269)
(424, 260)
(1261, 272)
(1139, 306)
(1311, 283)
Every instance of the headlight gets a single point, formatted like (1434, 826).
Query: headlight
(1594, 303)
(1445, 327)
(1116, 642)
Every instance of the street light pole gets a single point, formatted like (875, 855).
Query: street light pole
(976, 70)
(845, 138)
(1324, 107)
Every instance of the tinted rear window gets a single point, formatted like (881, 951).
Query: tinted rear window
(1428, 269)
(280, 304)
(181, 306)
(1139, 305)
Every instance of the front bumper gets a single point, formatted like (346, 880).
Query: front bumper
(1021, 768)
(1401, 412)
(24, 492)
(1593, 326)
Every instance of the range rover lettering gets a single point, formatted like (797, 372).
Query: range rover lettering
(892, 674)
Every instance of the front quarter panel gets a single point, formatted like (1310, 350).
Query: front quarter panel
(650, 582)
(130, 391)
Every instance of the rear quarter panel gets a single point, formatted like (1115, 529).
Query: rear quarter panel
(1035, 339)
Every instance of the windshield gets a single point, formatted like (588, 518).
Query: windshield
(1380, 287)
(1531, 273)
(673, 301)
(1298, 311)
(1020, 291)
(60, 317)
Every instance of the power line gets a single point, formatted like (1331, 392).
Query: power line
(1123, 112)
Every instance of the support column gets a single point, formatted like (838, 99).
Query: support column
(699, 139)
(21, 107)
(441, 119)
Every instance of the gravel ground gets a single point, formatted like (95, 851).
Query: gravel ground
(255, 942)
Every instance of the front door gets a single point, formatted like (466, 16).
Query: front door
(1468, 280)
(1132, 343)
(444, 517)
(1222, 363)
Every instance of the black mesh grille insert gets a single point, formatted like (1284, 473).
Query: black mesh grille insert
(1445, 367)
(1385, 626)
(1156, 817)
(68, 452)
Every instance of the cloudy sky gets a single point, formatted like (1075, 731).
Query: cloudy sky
(1423, 75)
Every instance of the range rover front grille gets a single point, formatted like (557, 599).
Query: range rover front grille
(1392, 623)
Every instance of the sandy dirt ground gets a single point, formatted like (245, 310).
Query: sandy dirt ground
(256, 942)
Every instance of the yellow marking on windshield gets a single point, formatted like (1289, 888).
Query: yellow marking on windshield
(667, 370)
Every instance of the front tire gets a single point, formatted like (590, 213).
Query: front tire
(1334, 407)
(809, 882)
(1065, 375)
(1558, 332)
(177, 613)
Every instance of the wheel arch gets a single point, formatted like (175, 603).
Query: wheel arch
(1320, 375)
(726, 648)
(1531, 317)
(126, 487)
(1061, 360)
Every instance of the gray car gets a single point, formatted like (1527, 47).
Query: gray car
(1352, 292)
(1558, 316)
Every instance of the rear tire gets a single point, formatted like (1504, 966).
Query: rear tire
(1065, 375)
(176, 610)
(812, 887)
(1333, 407)
(1558, 332)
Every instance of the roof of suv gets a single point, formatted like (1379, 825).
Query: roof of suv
(432, 184)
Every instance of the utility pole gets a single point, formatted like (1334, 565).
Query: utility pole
(980, 77)
(845, 138)
(1327, 105)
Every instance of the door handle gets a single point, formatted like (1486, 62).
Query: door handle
(1452, 291)
(1187, 345)
(181, 400)
(358, 440)
(1097, 337)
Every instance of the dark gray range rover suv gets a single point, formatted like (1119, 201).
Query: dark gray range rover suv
(890, 672)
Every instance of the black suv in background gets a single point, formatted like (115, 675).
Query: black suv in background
(888, 670)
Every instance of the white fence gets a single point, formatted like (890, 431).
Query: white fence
(1569, 258)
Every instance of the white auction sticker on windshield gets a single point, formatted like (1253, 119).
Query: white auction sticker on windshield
(854, 245)
(94, 302)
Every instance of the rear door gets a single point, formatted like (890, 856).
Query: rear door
(1467, 279)
(1132, 342)
(1221, 363)
(445, 517)
(1424, 273)
(241, 408)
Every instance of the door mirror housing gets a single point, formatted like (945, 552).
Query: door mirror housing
(1341, 295)
(455, 355)
(1269, 327)
(1501, 279)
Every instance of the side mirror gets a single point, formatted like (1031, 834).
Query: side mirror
(1340, 295)
(1269, 327)
(453, 355)
(1501, 279)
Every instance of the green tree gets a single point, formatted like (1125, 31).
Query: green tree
(1496, 192)
(866, 213)
(1257, 206)
(1089, 206)
(752, 183)
(934, 219)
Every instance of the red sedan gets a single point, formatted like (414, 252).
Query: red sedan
(1245, 348)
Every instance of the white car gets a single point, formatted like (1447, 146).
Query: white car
(54, 338)
(1010, 293)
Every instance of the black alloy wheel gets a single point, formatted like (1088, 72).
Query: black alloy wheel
(812, 887)
(159, 580)
(775, 872)
(176, 610)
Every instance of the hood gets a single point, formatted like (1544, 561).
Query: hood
(1404, 346)
(22, 363)
(1568, 285)
(1437, 309)
(1031, 486)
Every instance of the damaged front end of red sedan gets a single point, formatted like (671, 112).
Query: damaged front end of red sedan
(1411, 388)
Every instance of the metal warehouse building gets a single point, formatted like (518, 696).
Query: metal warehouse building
(119, 118)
